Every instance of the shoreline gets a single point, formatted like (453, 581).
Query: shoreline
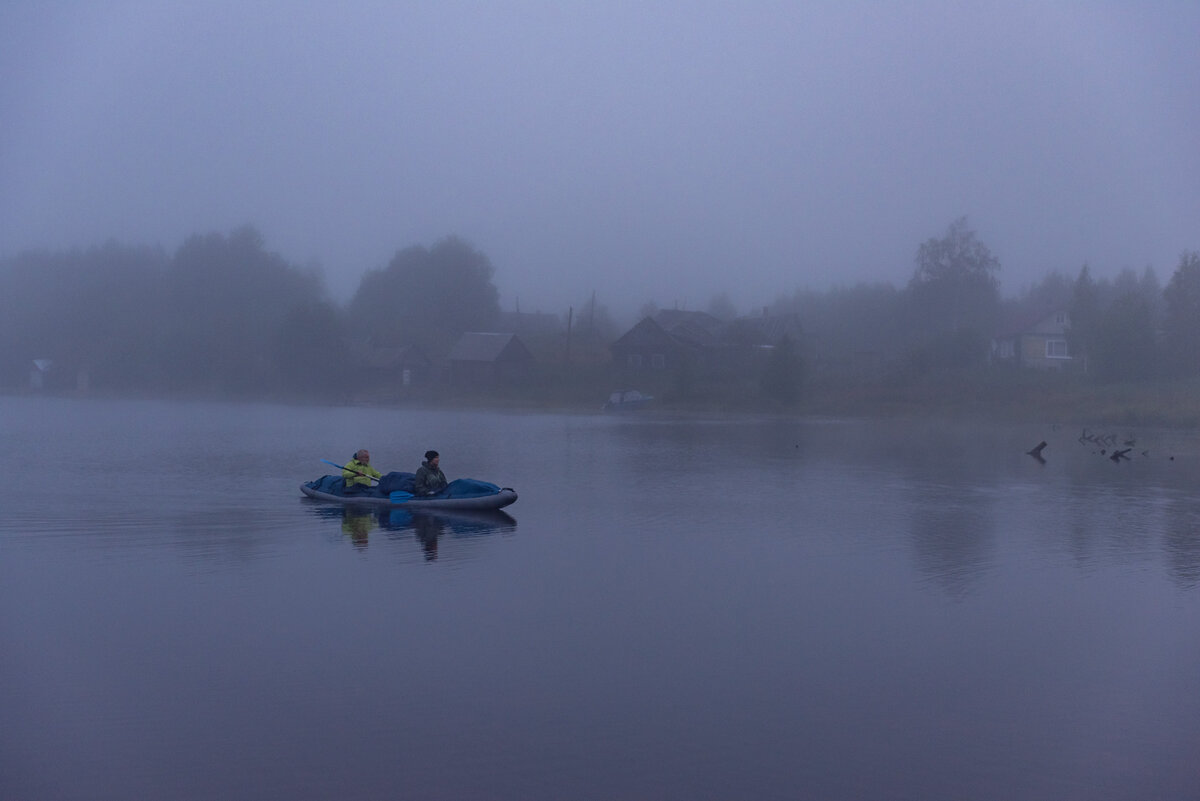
(1173, 405)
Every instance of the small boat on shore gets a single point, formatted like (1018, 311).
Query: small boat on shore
(624, 400)
(395, 492)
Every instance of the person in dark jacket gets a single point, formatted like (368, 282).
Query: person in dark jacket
(430, 480)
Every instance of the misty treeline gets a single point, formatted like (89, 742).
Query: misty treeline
(1128, 328)
(222, 314)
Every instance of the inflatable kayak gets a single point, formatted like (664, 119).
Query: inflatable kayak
(395, 492)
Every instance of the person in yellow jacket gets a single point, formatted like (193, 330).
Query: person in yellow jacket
(358, 473)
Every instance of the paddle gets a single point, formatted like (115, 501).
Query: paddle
(395, 497)
(351, 469)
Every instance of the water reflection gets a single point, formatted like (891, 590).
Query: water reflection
(1182, 542)
(359, 524)
(953, 537)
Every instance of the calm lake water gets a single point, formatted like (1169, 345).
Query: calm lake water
(674, 609)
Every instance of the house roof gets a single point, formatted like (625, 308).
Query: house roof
(475, 346)
(702, 331)
(648, 333)
(670, 319)
(1039, 322)
(693, 333)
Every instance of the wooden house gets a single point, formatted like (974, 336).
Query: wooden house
(699, 328)
(649, 346)
(670, 337)
(1036, 342)
(484, 357)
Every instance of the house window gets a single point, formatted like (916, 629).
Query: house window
(635, 360)
(658, 360)
(1004, 349)
(1060, 318)
(1057, 349)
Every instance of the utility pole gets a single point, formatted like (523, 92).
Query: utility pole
(570, 316)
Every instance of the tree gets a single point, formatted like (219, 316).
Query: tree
(1145, 285)
(954, 297)
(593, 322)
(226, 299)
(953, 285)
(783, 374)
(310, 353)
(94, 311)
(428, 297)
(120, 297)
(863, 319)
(1052, 292)
(1085, 315)
(1182, 297)
(1152, 291)
(1124, 341)
(130, 318)
(957, 270)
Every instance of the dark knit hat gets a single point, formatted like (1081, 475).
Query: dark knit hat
(430, 455)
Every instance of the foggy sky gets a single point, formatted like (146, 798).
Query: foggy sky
(648, 151)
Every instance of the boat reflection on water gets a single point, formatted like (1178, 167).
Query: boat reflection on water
(429, 528)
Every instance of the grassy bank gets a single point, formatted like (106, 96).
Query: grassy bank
(1019, 399)
(985, 396)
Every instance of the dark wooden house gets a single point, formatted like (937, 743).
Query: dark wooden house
(481, 358)
(649, 346)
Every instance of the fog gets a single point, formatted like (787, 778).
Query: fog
(645, 151)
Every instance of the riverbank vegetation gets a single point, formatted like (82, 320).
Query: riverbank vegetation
(223, 316)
